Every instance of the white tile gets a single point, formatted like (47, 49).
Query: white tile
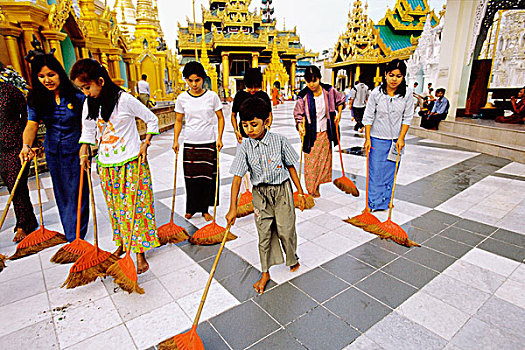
(186, 281)
(77, 324)
(24, 313)
(475, 276)
(39, 336)
(54, 277)
(519, 274)
(249, 252)
(281, 273)
(491, 261)
(118, 337)
(335, 243)
(309, 229)
(243, 237)
(433, 314)
(150, 329)
(72, 298)
(17, 268)
(513, 292)
(363, 343)
(170, 259)
(20, 288)
(217, 301)
(313, 255)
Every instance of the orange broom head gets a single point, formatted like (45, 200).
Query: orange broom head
(71, 252)
(37, 241)
(172, 233)
(210, 234)
(94, 263)
(346, 185)
(185, 341)
(391, 230)
(310, 203)
(245, 205)
(364, 219)
(2, 262)
(125, 275)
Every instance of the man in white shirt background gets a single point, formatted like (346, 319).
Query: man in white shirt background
(357, 102)
(143, 90)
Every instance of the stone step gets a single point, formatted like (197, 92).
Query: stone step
(495, 141)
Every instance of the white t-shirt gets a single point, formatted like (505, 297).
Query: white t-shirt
(320, 109)
(143, 87)
(199, 112)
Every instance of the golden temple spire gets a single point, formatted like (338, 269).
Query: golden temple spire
(125, 15)
(145, 14)
(205, 61)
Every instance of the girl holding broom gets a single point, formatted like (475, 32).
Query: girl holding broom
(56, 102)
(112, 112)
(387, 117)
(202, 111)
(317, 113)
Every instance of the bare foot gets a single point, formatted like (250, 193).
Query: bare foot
(20, 235)
(261, 284)
(119, 251)
(188, 215)
(295, 267)
(207, 217)
(142, 264)
(316, 194)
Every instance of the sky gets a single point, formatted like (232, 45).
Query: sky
(318, 25)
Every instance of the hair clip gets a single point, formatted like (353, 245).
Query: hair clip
(38, 51)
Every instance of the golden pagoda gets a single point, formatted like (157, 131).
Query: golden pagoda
(362, 51)
(88, 28)
(275, 72)
(237, 39)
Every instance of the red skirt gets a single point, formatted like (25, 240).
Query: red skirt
(318, 163)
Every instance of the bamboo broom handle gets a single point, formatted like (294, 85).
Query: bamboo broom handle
(302, 145)
(93, 208)
(79, 205)
(210, 278)
(339, 144)
(4, 214)
(367, 175)
(174, 186)
(216, 188)
(393, 188)
(38, 188)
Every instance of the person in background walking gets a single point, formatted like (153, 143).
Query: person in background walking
(143, 90)
(357, 103)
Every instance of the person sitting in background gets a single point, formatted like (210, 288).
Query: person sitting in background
(518, 117)
(438, 113)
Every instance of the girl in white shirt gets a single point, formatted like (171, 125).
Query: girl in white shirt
(111, 111)
(202, 111)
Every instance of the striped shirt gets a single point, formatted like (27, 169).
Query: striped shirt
(386, 114)
(266, 159)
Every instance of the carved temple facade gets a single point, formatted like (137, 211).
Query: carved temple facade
(128, 41)
(363, 50)
(235, 39)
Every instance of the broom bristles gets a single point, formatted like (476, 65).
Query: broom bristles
(245, 205)
(310, 203)
(92, 264)
(71, 252)
(346, 185)
(172, 233)
(125, 275)
(185, 341)
(37, 241)
(391, 230)
(210, 234)
(363, 219)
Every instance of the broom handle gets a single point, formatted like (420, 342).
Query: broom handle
(339, 144)
(216, 188)
(302, 145)
(93, 208)
(134, 206)
(367, 174)
(210, 279)
(174, 186)
(4, 214)
(393, 189)
(38, 188)
(79, 206)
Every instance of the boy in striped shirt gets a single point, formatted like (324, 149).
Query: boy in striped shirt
(271, 160)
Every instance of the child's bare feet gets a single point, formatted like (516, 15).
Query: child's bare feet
(119, 251)
(142, 264)
(295, 267)
(261, 284)
(188, 215)
(207, 217)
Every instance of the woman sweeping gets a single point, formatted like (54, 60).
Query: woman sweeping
(55, 102)
(387, 118)
(317, 113)
(202, 110)
(112, 111)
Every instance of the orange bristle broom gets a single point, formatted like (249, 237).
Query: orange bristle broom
(366, 218)
(245, 205)
(344, 183)
(191, 340)
(95, 262)
(310, 203)
(72, 251)
(389, 229)
(124, 271)
(40, 239)
(171, 232)
(212, 233)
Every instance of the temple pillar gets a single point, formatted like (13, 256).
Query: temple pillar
(225, 73)
(104, 60)
(357, 72)
(77, 53)
(11, 35)
(292, 75)
(334, 72)
(85, 52)
(117, 75)
(54, 39)
(255, 60)
(377, 79)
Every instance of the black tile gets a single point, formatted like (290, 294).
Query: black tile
(285, 303)
(440, 216)
(416, 234)
(278, 340)
(358, 309)
(503, 249)
(372, 255)
(210, 338)
(229, 264)
(320, 329)
(509, 237)
(430, 258)
(386, 288)
(428, 224)
(200, 252)
(475, 226)
(463, 236)
(319, 284)
(448, 246)
(241, 283)
(244, 325)
(410, 272)
(348, 268)
(390, 245)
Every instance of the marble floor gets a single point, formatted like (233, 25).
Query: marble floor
(462, 289)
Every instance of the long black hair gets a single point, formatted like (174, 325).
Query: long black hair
(40, 98)
(88, 70)
(392, 66)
